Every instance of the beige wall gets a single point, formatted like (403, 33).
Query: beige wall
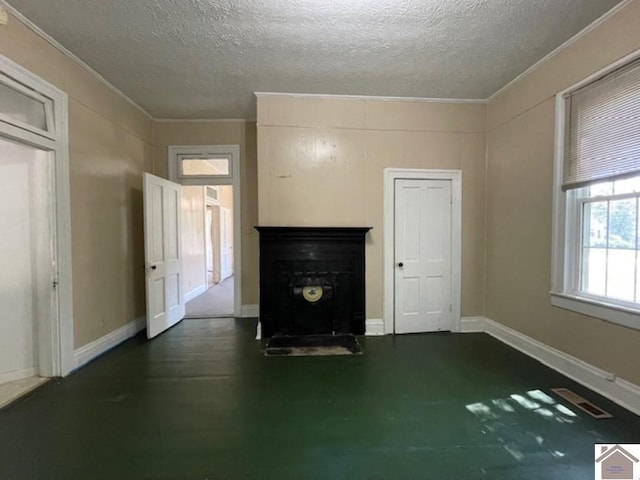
(110, 146)
(519, 196)
(321, 163)
(221, 133)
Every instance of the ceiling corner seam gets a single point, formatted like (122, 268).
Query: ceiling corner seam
(71, 56)
(585, 31)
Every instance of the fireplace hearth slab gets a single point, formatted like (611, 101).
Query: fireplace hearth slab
(313, 345)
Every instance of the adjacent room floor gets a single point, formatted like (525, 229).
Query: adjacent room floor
(215, 302)
(202, 402)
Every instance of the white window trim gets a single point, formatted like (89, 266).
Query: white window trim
(56, 335)
(232, 152)
(563, 268)
(389, 177)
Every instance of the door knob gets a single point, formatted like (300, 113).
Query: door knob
(153, 267)
(401, 264)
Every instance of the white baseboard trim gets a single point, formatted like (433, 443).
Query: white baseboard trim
(622, 392)
(259, 331)
(85, 354)
(472, 324)
(196, 292)
(17, 375)
(249, 311)
(374, 327)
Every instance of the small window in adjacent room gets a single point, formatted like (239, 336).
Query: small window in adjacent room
(596, 262)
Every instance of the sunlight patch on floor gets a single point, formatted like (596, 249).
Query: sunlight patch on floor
(500, 415)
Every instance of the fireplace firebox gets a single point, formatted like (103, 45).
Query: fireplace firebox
(312, 280)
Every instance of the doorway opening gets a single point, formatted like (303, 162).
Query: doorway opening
(36, 326)
(25, 279)
(210, 207)
(208, 238)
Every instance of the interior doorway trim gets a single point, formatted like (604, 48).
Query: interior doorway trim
(232, 152)
(388, 298)
(55, 335)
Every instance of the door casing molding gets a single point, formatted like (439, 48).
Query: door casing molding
(55, 339)
(388, 297)
(233, 151)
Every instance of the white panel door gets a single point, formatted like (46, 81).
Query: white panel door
(163, 253)
(226, 255)
(422, 255)
(26, 292)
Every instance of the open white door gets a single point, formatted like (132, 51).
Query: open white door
(226, 254)
(422, 255)
(163, 253)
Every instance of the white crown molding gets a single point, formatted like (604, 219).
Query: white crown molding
(58, 46)
(41, 33)
(371, 98)
(592, 26)
(204, 120)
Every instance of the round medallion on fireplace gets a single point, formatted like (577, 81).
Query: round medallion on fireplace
(312, 293)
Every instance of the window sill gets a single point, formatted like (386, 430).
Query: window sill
(624, 316)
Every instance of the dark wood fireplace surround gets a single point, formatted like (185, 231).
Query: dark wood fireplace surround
(329, 262)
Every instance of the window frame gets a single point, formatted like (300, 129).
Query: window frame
(47, 103)
(186, 176)
(567, 227)
(178, 153)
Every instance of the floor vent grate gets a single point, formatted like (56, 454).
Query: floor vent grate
(581, 403)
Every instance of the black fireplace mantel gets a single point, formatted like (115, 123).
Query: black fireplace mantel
(326, 261)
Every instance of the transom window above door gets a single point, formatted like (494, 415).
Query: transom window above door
(26, 109)
(190, 166)
(204, 164)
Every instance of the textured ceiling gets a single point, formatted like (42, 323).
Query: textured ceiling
(205, 58)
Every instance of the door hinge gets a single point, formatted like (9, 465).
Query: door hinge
(450, 308)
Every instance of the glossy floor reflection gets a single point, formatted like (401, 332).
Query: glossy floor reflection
(203, 402)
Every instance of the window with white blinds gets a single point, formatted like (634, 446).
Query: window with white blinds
(603, 134)
(596, 223)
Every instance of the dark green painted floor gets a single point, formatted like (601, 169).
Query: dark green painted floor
(201, 402)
